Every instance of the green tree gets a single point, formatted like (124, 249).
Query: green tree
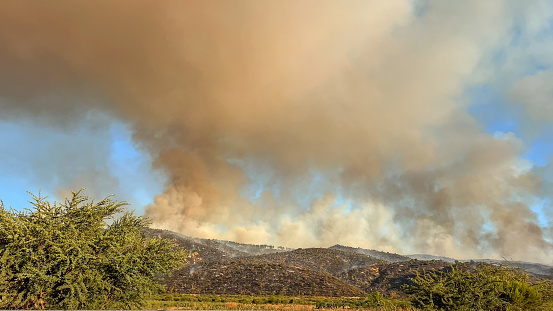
(485, 288)
(79, 255)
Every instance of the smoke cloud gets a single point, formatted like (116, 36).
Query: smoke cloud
(294, 123)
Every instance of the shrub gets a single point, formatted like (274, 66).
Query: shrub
(67, 256)
(484, 288)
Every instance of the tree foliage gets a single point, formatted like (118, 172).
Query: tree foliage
(483, 288)
(79, 255)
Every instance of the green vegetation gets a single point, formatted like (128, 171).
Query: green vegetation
(374, 301)
(79, 255)
(483, 288)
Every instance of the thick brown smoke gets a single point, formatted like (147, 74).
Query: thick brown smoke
(363, 93)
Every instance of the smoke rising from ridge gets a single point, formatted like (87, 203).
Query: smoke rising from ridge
(254, 109)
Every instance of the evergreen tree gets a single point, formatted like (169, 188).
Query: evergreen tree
(79, 255)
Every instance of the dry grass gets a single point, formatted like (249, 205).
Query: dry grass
(288, 303)
(240, 306)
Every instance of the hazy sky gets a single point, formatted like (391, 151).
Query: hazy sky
(402, 125)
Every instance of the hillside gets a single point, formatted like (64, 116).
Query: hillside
(390, 257)
(205, 249)
(431, 257)
(219, 267)
(535, 269)
(216, 250)
(245, 278)
(253, 249)
(321, 259)
(388, 277)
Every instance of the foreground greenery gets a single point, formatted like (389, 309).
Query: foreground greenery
(482, 288)
(374, 301)
(79, 255)
(462, 287)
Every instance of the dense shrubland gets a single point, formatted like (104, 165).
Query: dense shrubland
(79, 255)
(485, 287)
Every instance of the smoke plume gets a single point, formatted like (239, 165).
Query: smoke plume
(297, 123)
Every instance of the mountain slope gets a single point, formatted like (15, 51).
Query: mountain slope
(389, 277)
(391, 257)
(321, 259)
(218, 267)
(247, 278)
(201, 249)
(431, 257)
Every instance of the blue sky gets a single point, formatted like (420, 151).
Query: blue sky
(125, 171)
(497, 115)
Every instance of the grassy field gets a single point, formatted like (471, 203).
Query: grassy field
(373, 302)
(273, 302)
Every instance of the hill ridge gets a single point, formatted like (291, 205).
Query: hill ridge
(218, 266)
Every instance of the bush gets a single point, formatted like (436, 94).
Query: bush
(484, 288)
(374, 300)
(66, 256)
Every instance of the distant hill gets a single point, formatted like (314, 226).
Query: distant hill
(253, 249)
(389, 277)
(390, 257)
(214, 249)
(224, 267)
(321, 259)
(209, 250)
(247, 278)
(431, 257)
(537, 269)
